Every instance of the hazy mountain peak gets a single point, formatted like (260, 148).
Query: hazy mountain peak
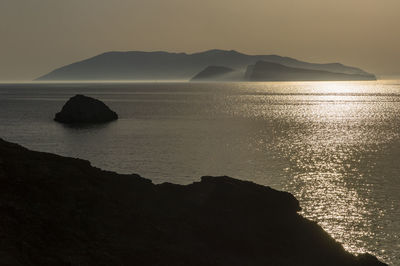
(161, 65)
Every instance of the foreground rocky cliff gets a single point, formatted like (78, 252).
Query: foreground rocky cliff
(61, 211)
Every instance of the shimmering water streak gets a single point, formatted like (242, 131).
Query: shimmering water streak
(335, 145)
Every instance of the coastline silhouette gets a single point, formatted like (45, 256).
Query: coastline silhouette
(138, 65)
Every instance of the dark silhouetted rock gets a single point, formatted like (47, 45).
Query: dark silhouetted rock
(83, 109)
(213, 73)
(268, 71)
(62, 211)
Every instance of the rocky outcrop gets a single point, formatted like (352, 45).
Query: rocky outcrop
(62, 211)
(83, 109)
(213, 73)
(267, 71)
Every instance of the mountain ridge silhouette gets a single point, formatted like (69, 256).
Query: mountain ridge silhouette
(161, 65)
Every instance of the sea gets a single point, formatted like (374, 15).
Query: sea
(334, 145)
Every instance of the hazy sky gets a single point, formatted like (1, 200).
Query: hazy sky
(37, 36)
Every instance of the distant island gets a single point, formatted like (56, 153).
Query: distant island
(204, 66)
(267, 71)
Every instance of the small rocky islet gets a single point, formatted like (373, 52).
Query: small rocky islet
(57, 210)
(81, 109)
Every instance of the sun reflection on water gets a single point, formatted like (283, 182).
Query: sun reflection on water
(333, 139)
(334, 145)
(331, 134)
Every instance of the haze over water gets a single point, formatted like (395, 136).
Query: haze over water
(334, 145)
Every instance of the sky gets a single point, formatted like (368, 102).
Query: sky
(37, 36)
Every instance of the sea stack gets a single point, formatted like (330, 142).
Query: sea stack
(83, 109)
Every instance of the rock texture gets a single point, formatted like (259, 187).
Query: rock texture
(83, 109)
(61, 211)
(267, 71)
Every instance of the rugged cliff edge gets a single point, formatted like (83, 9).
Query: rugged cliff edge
(62, 211)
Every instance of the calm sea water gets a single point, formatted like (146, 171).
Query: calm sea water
(334, 145)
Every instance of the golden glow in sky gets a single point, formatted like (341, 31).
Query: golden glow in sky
(40, 35)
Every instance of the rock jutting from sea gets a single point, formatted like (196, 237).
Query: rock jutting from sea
(83, 109)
